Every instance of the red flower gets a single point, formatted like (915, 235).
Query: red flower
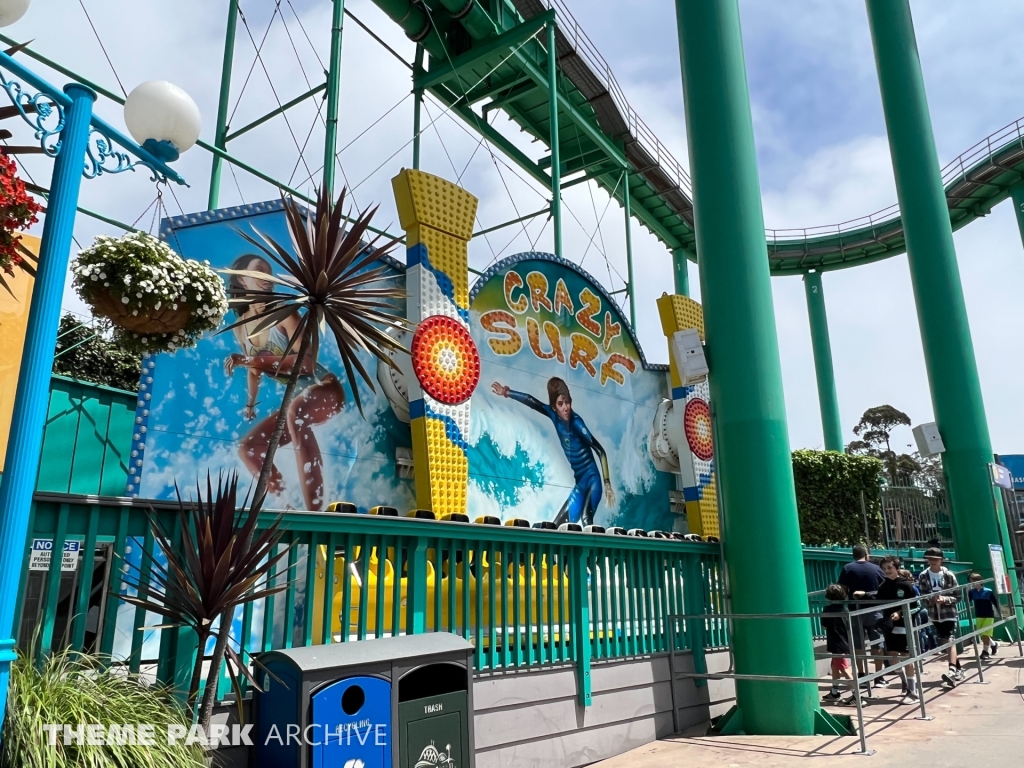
(17, 212)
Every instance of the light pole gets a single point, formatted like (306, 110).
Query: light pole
(81, 144)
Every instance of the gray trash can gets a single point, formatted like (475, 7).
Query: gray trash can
(390, 703)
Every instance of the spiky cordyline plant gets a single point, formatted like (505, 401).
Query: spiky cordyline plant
(328, 283)
(223, 562)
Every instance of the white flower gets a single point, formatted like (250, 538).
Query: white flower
(124, 299)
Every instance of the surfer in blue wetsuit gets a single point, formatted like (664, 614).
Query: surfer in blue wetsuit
(579, 446)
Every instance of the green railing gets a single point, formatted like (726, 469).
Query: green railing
(524, 597)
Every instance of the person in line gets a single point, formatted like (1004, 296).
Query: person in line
(986, 612)
(862, 578)
(942, 609)
(837, 640)
(897, 588)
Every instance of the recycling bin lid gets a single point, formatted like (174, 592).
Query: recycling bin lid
(312, 658)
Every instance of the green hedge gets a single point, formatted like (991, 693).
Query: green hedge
(828, 487)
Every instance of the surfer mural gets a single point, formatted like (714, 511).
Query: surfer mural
(568, 443)
(552, 340)
(580, 448)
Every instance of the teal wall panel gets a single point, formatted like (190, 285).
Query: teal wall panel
(87, 439)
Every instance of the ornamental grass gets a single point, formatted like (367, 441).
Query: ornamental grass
(75, 689)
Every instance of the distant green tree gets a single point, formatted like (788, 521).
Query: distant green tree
(85, 352)
(875, 432)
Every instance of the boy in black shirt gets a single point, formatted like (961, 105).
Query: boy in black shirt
(897, 588)
(837, 639)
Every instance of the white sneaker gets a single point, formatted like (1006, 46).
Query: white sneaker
(958, 675)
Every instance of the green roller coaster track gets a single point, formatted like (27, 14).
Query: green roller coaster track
(492, 54)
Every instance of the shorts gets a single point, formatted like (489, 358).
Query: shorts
(895, 642)
(871, 631)
(838, 665)
(944, 630)
(985, 625)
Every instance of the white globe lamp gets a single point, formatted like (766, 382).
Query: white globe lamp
(162, 118)
(12, 10)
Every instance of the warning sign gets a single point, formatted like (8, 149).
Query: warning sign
(42, 550)
(1002, 582)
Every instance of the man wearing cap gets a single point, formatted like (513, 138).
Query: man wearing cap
(942, 608)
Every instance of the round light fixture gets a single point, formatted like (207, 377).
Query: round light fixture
(12, 10)
(162, 118)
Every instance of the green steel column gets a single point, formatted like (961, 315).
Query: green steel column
(680, 272)
(222, 105)
(417, 105)
(556, 160)
(761, 542)
(629, 249)
(828, 400)
(333, 97)
(1017, 196)
(941, 312)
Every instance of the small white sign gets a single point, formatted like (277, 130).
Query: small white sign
(1002, 583)
(42, 549)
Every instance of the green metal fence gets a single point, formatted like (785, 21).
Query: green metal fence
(524, 598)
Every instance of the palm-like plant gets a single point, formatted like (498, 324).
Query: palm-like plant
(222, 562)
(329, 282)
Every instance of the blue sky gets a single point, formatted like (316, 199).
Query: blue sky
(820, 137)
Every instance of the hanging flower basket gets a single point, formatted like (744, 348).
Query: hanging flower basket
(156, 300)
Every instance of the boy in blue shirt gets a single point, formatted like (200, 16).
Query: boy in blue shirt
(579, 446)
(986, 611)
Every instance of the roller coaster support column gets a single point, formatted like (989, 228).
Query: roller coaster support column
(1017, 196)
(681, 272)
(417, 105)
(941, 312)
(754, 465)
(221, 131)
(828, 400)
(556, 155)
(333, 97)
(629, 249)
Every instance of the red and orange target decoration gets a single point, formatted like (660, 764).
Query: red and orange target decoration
(445, 360)
(697, 423)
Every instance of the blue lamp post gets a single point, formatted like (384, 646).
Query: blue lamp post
(81, 144)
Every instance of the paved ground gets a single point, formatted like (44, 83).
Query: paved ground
(975, 726)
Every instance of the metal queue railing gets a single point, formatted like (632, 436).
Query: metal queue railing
(915, 656)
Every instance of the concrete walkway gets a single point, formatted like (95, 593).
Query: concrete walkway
(975, 726)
